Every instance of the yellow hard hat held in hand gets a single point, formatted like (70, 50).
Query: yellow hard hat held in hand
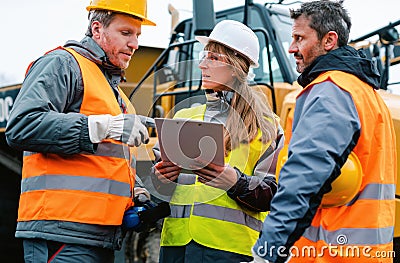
(136, 8)
(344, 188)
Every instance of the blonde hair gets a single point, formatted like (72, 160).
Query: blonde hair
(249, 109)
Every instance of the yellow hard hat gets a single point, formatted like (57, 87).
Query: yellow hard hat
(131, 7)
(344, 188)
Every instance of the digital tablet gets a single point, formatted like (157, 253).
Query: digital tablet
(183, 140)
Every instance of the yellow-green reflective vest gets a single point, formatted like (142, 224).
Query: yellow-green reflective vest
(208, 215)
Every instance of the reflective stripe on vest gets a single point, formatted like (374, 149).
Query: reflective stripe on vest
(227, 214)
(85, 188)
(82, 183)
(363, 236)
(208, 215)
(368, 220)
(376, 191)
(216, 212)
(180, 211)
(104, 149)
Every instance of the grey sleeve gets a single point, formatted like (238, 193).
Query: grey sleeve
(45, 116)
(267, 163)
(161, 190)
(256, 191)
(326, 128)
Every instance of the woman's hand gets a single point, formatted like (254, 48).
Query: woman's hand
(166, 172)
(223, 177)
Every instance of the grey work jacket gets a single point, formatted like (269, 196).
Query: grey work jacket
(45, 118)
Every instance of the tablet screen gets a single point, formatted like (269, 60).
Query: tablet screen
(183, 140)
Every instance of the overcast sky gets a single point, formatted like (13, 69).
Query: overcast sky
(30, 28)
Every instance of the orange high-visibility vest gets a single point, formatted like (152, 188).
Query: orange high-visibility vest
(84, 188)
(362, 230)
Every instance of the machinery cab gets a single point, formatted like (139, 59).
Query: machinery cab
(383, 47)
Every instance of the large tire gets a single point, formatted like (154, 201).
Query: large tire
(150, 251)
(143, 247)
(396, 249)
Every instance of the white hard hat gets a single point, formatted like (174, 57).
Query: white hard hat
(236, 36)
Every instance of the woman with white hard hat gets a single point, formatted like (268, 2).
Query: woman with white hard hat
(217, 212)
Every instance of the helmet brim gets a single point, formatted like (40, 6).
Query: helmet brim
(145, 21)
(204, 41)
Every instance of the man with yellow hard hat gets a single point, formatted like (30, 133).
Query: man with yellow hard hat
(78, 131)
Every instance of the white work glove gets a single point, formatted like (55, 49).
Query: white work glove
(126, 128)
(140, 192)
(256, 258)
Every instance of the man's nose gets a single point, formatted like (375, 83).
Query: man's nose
(134, 43)
(293, 48)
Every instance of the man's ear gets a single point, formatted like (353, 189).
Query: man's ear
(330, 41)
(96, 27)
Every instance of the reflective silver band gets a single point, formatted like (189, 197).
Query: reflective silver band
(227, 214)
(351, 236)
(375, 192)
(83, 183)
(378, 192)
(105, 150)
(180, 211)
